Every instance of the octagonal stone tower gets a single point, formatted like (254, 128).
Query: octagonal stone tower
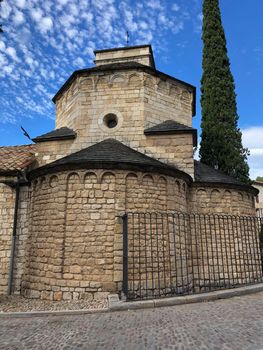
(126, 89)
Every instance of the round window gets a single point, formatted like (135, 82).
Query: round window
(110, 120)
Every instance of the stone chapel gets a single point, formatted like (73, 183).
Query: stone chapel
(123, 142)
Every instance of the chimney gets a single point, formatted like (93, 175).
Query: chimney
(142, 54)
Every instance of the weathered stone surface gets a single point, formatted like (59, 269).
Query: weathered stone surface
(234, 324)
(69, 234)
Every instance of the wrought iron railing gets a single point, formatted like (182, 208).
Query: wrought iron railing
(260, 212)
(167, 254)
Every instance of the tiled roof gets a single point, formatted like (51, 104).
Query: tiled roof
(63, 133)
(111, 154)
(206, 174)
(172, 127)
(13, 158)
(168, 125)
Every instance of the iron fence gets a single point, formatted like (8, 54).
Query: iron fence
(260, 212)
(167, 254)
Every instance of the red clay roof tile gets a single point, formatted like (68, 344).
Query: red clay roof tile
(14, 158)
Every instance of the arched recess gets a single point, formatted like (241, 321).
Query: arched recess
(131, 191)
(161, 200)
(118, 80)
(86, 84)
(177, 187)
(147, 179)
(201, 199)
(215, 196)
(135, 79)
(102, 82)
(53, 181)
(174, 92)
(41, 182)
(149, 82)
(108, 191)
(72, 182)
(185, 96)
(162, 87)
(240, 196)
(227, 199)
(89, 179)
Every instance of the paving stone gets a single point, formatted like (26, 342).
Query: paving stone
(231, 324)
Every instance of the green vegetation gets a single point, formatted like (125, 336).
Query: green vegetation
(1, 30)
(221, 145)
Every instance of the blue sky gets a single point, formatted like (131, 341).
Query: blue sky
(45, 41)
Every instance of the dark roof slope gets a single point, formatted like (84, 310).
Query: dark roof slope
(16, 158)
(63, 133)
(206, 174)
(123, 66)
(110, 154)
(172, 127)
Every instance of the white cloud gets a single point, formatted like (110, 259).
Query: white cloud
(18, 18)
(253, 137)
(2, 46)
(8, 69)
(5, 10)
(36, 14)
(175, 7)
(253, 140)
(12, 53)
(45, 24)
(155, 4)
(20, 3)
(62, 2)
(56, 37)
(79, 62)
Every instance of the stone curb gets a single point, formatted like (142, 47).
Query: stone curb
(52, 313)
(116, 305)
(197, 298)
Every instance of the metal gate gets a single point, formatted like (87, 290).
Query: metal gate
(169, 254)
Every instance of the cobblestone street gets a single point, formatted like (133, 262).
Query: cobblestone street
(235, 324)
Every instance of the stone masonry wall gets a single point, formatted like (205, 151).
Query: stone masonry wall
(20, 260)
(164, 99)
(75, 243)
(220, 200)
(69, 237)
(7, 204)
(140, 55)
(225, 246)
(7, 208)
(138, 99)
(174, 149)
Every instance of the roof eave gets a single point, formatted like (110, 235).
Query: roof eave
(13, 172)
(56, 138)
(109, 165)
(241, 187)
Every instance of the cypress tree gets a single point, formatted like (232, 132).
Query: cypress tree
(221, 144)
(1, 30)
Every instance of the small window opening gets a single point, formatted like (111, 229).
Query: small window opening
(110, 120)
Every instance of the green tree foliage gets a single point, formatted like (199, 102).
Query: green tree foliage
(259, 178)
(221, 144)
(1, 30)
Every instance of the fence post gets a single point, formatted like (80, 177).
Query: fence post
(125, 254)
